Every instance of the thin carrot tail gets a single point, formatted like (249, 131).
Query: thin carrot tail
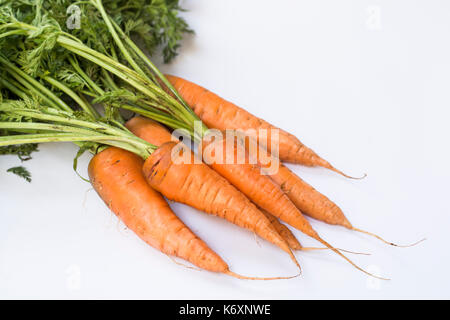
(238, 276)
(308, 157)
(278, 240)
(348, 260)
(388, 242)
(293, 258)
(327, 165)
(343, 250)
(346, 175)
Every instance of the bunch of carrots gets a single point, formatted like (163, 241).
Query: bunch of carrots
(62, 85)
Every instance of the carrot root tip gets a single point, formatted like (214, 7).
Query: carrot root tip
(346, 175)
(348, 260)
(388, 242)
(238, 276)
(343, 250)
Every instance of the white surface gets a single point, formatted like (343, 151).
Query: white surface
(370, 96)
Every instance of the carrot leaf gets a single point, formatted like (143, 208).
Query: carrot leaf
(21, 172)
(23, 151)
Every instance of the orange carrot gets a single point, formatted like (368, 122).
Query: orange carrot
(245, 177)
(314, 204)
(308, 199)
(149, 130)
(220, 114)
(195, 184)
(261, 189)
(117, 177)
(156, 134)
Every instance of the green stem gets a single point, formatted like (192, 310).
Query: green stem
(46, 127)
(34, 85)
(65, 41)
(84, 105)
(137, 80)
(13, 32)
(8, 85)
(132, 78)
(78, 69)
(164, 119)
(118, 142)
(104, 64)
(155, 70)
(39, 93)
(98, 4)
(98, 127)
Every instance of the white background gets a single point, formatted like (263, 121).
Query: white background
(364, 83)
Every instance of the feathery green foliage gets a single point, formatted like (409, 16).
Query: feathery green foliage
(21, 172)
(53, 76)
(23, 151)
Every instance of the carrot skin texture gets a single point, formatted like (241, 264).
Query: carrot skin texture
(310, 201)
(156, 176)
(198, 186)
(218, 113)
(247, 178)
(149, 130)
(117, 177)
(259, 188)
(156, 134)
(307, 199)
